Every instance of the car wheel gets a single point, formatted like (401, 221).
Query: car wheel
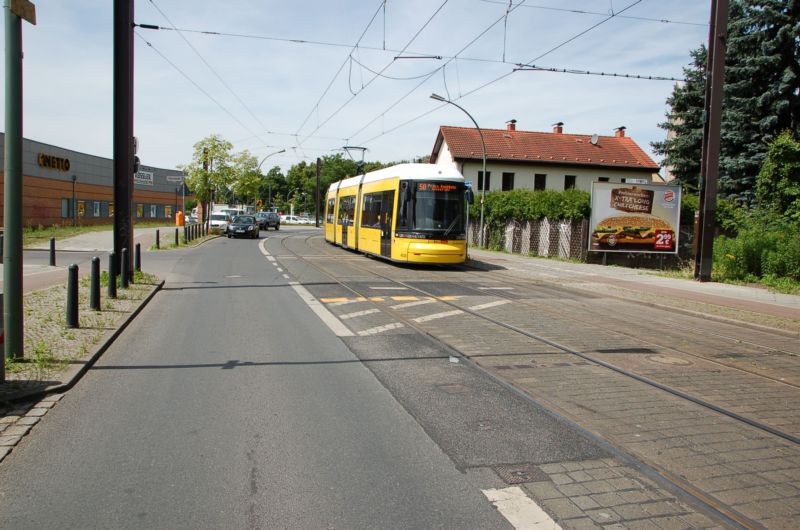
(277, 227)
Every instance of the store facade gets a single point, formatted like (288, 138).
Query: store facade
(64, 187)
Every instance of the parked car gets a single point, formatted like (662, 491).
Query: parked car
(290, 219)
(303, 220)
(268, 219)
(243, 226)
(219, 222)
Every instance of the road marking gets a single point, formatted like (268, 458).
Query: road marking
(359, 313)
(379, 329)
(286, 276)
(390, 288)
(520, 510)
(412, 304)
(333, 300)
(270, 258)
(234, 276)
(447, 298)
(279, 269)
(348, 301)
(490, 304)
(326, 316)
(437, 316)
(404, 298)
(496, 288)
(376, 299)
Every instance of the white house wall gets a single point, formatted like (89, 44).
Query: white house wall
(524, 176)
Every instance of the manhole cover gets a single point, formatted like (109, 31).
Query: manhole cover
(521, 473)
(665, 359)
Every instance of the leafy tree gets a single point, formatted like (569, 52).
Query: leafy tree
(210, 171)
(761, 97)
(778, 184)
(246, 177)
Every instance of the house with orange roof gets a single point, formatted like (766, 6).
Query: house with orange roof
(543, 160)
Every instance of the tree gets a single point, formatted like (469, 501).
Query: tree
(210, 170)
(761, 97)
(778, 184)
(246, 177)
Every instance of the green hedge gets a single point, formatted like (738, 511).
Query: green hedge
(502, 206)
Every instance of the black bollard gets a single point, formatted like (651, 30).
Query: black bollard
(112, 275)
(124, 272)
(94, 291)
(1, 247)
(176, 238)
(137, 258)
(185, 235)
(158, 239)
(72, 296)
(52, 252)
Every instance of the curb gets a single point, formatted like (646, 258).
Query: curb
(63, 387)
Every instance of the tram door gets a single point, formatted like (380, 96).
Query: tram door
(387, 206)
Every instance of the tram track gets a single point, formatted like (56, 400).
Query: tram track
(543, 340)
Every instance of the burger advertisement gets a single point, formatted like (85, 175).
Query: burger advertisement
(634, 218)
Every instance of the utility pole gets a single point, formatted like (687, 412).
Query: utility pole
(123, 129)
(15, 11)
(711, 139)
(316, 216)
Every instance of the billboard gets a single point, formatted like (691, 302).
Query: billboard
(634, 218)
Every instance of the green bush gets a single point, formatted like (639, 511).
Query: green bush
(525, 205)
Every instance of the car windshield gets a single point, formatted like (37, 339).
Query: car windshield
(431, 206)
(243, 220)
(219, 217)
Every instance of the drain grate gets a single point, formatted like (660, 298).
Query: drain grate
(521, 473)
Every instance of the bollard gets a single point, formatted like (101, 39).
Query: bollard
(185, 235)
(123, 273)
(158, 239)
(94, 291)
(176, 237)
(72, 296)
(112, 275)
(52, 252)
(137, 258)
(1, 247)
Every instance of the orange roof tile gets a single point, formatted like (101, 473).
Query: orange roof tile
(567, 149)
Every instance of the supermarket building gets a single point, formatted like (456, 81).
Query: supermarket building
(62, 187)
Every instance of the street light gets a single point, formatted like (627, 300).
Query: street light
(258, 170)
(437, 97)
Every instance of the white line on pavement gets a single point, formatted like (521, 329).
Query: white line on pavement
(326, 316)
(496, 288)
(390, 288)
(490, 304)
(359, 313)
(379, 329)
(412, 304)
(436, 316)
(520, 510)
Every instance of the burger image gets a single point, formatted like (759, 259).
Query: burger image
(622, 230)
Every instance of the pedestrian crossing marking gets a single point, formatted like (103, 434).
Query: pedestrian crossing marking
(405, 298)
(341, 300)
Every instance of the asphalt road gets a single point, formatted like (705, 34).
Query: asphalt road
(227, 405)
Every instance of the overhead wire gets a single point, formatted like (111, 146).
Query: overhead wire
(342, 106)
(599, 13)
(211, 68)
(491, 82)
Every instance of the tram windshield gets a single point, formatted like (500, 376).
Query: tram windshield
(432, 207)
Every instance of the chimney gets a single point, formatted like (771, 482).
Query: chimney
(558, 128)
(511, 125)
(619, 132)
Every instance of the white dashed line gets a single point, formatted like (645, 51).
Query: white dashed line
(436, 316)
(390, 288)
(279, 269)
(286, 276)
(379, 329)
(520, 510)
(490, 304)
(412, 304)
(270, 258)
(359, 313)
(496, 288)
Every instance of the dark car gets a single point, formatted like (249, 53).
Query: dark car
(268, 219)
(244, 226)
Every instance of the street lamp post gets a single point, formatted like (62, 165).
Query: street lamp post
(437, 97)
(269, 197)
(291, 204)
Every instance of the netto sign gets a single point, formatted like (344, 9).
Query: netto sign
(53, 162)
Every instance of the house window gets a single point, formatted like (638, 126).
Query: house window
(603, 179)
(508, 181)
(569, 182)
(488, 180)
(539, 181)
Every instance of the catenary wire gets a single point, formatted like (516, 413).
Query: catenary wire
(211, 68)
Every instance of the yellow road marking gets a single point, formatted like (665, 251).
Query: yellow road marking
(447, 298)
(332, 300)
(404, 298)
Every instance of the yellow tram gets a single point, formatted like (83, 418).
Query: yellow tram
(406, 213)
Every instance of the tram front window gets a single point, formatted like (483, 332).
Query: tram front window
(436, 208)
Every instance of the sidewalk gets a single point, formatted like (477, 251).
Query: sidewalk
(737, 301)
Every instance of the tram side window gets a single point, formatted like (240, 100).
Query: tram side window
(347, 209)
(329, 212)
(371, 211)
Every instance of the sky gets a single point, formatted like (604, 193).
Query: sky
(314, 76)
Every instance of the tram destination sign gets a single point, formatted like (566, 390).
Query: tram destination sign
(634, 218)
